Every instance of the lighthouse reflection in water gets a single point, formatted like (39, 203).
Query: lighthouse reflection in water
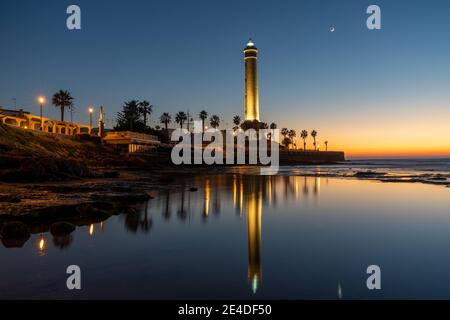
(242, 236)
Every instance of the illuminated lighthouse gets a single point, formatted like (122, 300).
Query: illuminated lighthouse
(251, 82)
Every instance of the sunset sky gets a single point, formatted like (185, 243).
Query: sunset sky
(369, 93)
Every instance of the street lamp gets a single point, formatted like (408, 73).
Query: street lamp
(41, 101)
(91, 111)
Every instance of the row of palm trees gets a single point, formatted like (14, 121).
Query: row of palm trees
(289, 135)
(181, 117)
(63, 99)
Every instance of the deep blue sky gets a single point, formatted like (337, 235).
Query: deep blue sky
(188, 55)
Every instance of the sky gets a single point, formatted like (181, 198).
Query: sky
(371, 93)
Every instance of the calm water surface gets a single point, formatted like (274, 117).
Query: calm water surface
(287, 237)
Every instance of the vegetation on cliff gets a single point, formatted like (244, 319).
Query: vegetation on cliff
(33, 156)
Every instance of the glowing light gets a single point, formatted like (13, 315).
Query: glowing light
(250, 43)
(255, 284)
(41, 244)
(91, 230)
(91, 109)
(41, 100)
(207, 197)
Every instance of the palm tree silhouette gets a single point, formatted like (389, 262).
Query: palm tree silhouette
(291, 135)
(284, 133)
(203, 115)
(62, 99)
(304, 135)
(326, 145)
(272, 127)
(214, 121)
(180, 117)
(237, 121)
(314, 135)
(146, 109)
(166, 119)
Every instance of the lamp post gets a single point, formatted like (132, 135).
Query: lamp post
(91, 111)
(41, 101)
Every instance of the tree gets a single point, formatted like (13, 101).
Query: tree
(326, 145)
(203, 115)
(165, 119)
(284, 133)
(237, 121)
(145, 108)
(129, 119)
(180, 118)
(62, 99)
(292, 134)
(273, 126)
(286, 141)
(214, 121)
(304, 135)
(314, 135)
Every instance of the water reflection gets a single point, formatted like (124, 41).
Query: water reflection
(241, 236)
(245, 195)
(248, 194)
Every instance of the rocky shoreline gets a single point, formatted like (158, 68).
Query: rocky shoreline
(60, 207)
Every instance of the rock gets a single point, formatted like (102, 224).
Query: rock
(9, 198)
(62, 228)
(138, 197)
(130, 210)
(166, 180)
(367, 173)
(111, 174)
(14, 234)
(128, 197)
(104, 205)
(90, 211)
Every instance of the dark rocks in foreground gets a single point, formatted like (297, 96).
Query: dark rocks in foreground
(62, 228)
(14, 234)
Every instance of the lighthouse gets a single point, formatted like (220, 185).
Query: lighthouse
(251, 82)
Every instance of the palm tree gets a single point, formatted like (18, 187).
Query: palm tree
(203, 115)
(291, 135)
(166, 119)
(284, 133)
(326, 145)
(272, 127)
(237, 121)
(304, 135)
(62, 99)
(314, 135)
(287, 141)
(180, 117)
(214, 121)
(146, 109)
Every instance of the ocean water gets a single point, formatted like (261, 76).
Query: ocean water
(309, 233)
(432, 171)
